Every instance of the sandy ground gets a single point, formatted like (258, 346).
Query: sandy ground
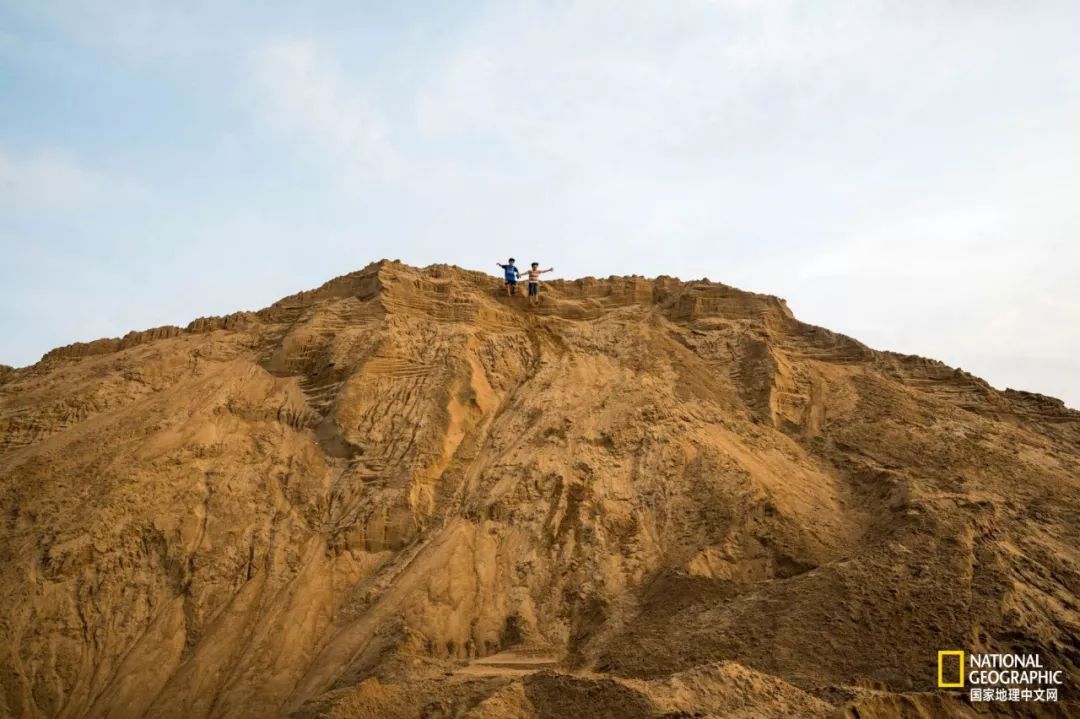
(405, 494)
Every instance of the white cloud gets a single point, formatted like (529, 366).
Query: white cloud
(53, 180)
(306, 94)
(672, 90)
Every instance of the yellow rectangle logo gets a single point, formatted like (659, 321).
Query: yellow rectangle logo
(959, 654)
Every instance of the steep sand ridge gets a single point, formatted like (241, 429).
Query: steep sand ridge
(362, 499)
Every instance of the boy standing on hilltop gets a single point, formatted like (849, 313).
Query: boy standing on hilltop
(534, 282)
(511, 274)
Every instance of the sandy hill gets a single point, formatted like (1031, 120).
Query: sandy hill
(406, 495)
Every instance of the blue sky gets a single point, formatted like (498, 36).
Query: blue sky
(902, 172)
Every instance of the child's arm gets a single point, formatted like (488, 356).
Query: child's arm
(550, 269)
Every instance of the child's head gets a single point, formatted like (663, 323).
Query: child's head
(536, 264)
(511, 261)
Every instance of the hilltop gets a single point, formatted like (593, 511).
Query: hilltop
(403, 494)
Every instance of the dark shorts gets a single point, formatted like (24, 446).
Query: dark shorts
(534, 287)
(511, 282)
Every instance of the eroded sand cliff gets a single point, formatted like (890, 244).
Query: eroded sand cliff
(404, 494)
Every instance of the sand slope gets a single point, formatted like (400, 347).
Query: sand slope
(403, 494)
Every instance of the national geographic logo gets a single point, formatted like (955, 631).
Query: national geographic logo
(998, 677)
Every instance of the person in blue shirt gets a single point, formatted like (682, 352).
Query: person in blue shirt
(511, 274)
